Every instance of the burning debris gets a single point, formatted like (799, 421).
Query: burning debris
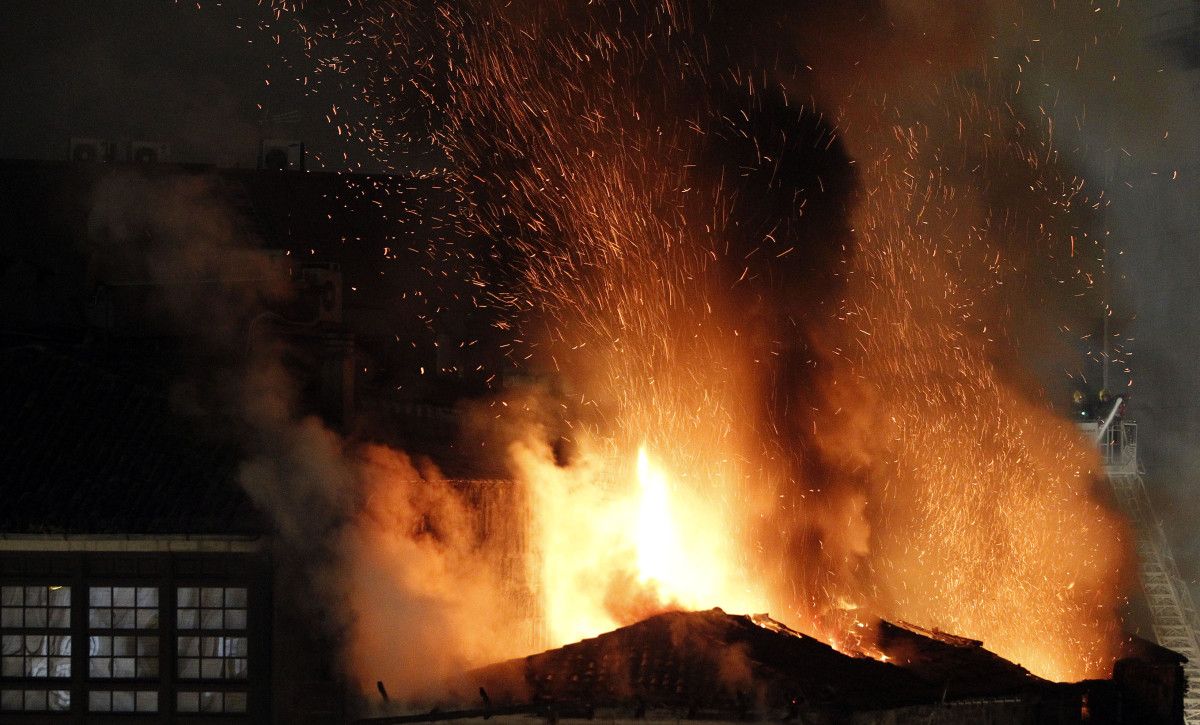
(720, 667)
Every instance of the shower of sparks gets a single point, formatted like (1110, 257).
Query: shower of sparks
(577, 136)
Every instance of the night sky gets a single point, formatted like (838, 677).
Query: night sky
(213, 81)
(152, 70)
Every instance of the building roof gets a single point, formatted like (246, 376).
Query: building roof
(705, 662)
(87, 450)
(959, 667)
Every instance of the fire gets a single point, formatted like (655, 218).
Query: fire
(660, 557)
(831, 418)
(619, 542)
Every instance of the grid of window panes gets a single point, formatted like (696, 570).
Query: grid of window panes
(211, 608)
(122, 637)
(123, 607)
(34, 700)
(35, 638)
(211, 645)
(123, 701)
(35, 643)
(202, 702)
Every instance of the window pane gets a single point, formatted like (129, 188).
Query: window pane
(147, 667)
(35, 617)
(60, 596)
(124, 646)
(60, 700)
(210, 619)
(35, 700)
(147, 646)
(100, 667)
(235, 646)
(235, 702)
(235, 669)
(212, 597)
(235, 619)
(188, 646)
(123, 667)
(35, 596)
(123, 597)
(122, 701)
(60, 666)
(12, 617)
(210, 669)
(100, 618)
(211, 702)
(147, 701)
(10, 644)
(187, 597)
(11, 596)
(235, 597)
(187, 619)
(99, 701)
(11, 700)
(100, 596)
(122, 619)
(147, 597)
(189, 668)
(58, 645)
(99, 645)
(60, 617)
(187, 701)
(147, 619)
(12, 667)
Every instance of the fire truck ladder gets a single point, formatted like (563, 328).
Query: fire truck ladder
(1172, 611)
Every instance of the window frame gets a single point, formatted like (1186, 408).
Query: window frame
(24, 682)
(222, 684)
(166, 570)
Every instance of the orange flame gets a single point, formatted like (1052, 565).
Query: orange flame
(614, 550)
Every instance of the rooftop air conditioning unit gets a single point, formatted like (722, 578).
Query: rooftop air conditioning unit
(324, 282)
(148, 152)
(280, 154)
(92, 150)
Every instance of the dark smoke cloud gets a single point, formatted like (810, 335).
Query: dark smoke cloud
(385, 553)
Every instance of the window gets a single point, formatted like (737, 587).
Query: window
(35, 643)
(211, 608)
(209, 654)
(35, 700)
(211, 644)
(35, 607)
(212, 658)
(122, 643)
(35, 640)
(123, 607)
(122, 656)
(123, 701)
(35, 655)
(126, 634)
(210, 702)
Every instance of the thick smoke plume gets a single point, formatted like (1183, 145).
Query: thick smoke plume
(388, 553)
(812, 261)
(791, 270)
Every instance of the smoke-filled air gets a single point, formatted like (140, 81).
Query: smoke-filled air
(781, 277)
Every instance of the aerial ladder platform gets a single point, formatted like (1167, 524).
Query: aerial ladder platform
(1172, 611)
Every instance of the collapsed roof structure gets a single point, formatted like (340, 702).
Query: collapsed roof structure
(715, 666)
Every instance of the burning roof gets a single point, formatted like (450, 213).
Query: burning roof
(718, 666)
(712, 660)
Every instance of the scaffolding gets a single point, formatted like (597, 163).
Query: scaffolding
(1172, 611)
